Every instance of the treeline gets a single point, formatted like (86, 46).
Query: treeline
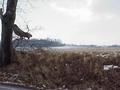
(37, 43)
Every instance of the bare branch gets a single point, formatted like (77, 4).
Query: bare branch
(1, 13)
(21, 33)
(3, 6)
(27, 28)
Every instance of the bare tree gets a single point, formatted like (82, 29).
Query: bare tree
(6, 37)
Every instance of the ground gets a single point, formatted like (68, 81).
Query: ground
(51, 69)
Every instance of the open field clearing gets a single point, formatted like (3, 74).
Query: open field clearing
(86, 49)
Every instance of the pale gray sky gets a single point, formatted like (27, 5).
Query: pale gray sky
(75, 21)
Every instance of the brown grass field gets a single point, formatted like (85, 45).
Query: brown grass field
(56, 69)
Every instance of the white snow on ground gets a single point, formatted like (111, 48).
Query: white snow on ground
(108, 67)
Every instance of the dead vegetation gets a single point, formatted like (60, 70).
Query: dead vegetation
(68, 70)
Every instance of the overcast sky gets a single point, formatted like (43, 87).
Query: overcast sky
(74, 21)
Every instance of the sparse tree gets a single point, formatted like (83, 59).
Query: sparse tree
(7, 20)
(8, 17)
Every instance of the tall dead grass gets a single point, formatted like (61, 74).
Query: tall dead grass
(75, 71)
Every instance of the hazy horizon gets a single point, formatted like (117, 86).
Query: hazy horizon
(82, 22)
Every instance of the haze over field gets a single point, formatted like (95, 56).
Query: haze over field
(74, 21)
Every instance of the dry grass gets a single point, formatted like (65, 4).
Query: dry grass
(75, 71)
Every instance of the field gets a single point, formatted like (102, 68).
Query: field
(65, 69)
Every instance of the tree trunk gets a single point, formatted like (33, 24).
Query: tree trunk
(6, 37)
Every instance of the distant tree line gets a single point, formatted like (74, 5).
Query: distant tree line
(38, 43)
